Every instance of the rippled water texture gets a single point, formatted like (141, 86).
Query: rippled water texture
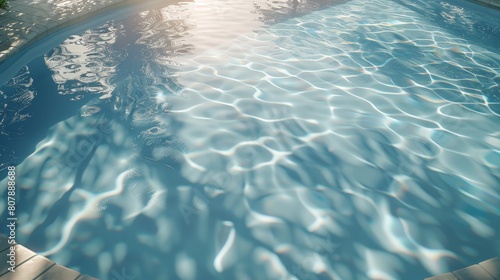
(353, 141)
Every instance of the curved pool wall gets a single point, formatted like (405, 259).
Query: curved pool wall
(56, 33)
(490, 3)
(359, 141)
(23, 23)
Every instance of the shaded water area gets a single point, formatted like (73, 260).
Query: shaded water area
(262, 140)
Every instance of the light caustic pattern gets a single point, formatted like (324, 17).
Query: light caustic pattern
(379, 132)
(356, 142)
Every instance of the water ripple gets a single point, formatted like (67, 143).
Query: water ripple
(359, 141)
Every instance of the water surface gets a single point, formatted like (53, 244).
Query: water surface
(346, 141)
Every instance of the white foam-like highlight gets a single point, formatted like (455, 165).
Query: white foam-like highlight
(219, 259)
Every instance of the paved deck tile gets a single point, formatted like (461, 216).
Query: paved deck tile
(86, 277)
(29, 269)
(30, 266)
(473, 272)
(447, 276)
(22, 255)
(492, 266)
(486, 270)
(58, 272)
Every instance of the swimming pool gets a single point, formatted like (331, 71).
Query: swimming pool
(318, 140)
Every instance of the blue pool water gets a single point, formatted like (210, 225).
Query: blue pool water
(228, 140)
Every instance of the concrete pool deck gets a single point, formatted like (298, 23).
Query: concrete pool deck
(491, 3)
(27, 21)
(29, 265)
(486, 270)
